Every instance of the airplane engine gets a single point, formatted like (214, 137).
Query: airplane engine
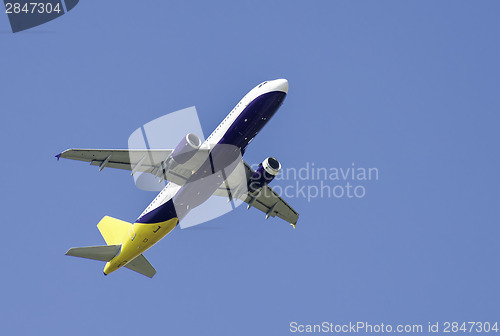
(266, 172)
(185, 150)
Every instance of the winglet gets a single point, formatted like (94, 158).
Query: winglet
(58, 156)
(293, 225)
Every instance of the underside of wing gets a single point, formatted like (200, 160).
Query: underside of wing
(269, 202)
(153, 161)
(137, 160)
(264, 199)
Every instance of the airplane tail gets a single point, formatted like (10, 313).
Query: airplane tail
(102, 253)
(113, 231)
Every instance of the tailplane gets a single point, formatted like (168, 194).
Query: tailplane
(141, 265)
(105, 253)
(102, 253)
(114, 232)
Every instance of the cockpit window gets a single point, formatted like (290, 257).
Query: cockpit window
(262, 84)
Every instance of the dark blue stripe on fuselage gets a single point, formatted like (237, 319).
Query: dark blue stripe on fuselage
(223, 157)
(162, 213)
(252, 119)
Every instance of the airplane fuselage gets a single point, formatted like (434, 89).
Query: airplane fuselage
(226, 145)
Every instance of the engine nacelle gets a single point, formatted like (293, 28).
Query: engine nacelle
(266, 172)
(185, 150)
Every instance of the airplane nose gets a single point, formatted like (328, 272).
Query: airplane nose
(282, 85)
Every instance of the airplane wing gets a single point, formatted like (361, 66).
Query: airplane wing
(266, 199)
(151, 161)
(118, 158)
(135, 160)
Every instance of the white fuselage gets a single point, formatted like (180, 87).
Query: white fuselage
(171, 189)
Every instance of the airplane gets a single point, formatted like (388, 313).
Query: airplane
(195, 171)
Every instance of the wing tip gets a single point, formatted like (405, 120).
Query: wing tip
(58, 156)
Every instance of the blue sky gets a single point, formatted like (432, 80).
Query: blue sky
(408, 87)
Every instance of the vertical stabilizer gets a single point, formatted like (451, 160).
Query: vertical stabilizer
(113, 230)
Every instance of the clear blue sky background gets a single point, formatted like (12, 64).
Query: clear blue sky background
(409, 87)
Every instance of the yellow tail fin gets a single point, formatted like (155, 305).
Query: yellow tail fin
(113, 230)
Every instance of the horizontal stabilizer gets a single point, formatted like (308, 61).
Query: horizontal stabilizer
(102, 253)
(141, 265)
